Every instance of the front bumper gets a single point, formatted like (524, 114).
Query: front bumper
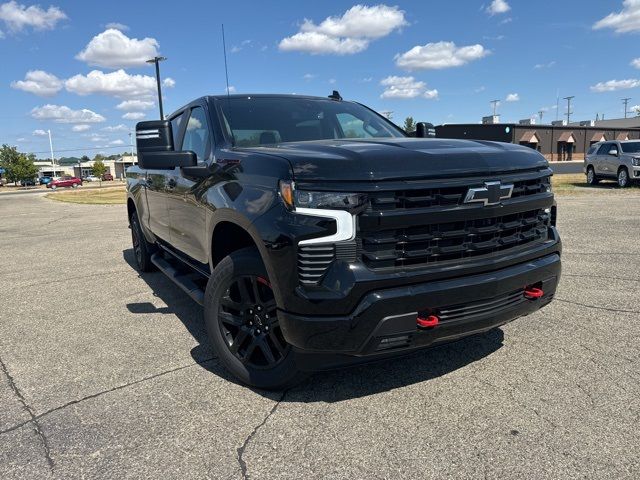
(384, 321)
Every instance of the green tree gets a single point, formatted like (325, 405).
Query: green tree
(409, 125)
(99, 169)
(99, 157)
(84, 158)
(18, 166)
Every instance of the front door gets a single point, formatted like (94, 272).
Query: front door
(186, 213)
(158, 181)
(599, 163)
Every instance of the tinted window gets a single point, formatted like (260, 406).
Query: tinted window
(604, 149)
(196, 137)
(591, 150)
(175, 129)
(631, 147)
(264, 120)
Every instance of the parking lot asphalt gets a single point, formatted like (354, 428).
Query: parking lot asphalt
(108, 374)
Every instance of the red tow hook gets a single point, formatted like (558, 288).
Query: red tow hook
(533, 293)
(428, 322)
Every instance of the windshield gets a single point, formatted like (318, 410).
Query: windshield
(258, 121)
(631, 147)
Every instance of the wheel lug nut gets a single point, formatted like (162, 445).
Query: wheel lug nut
(266, 329)
(250, 312)
(258, 331)
(266, 315)
(250, 322)
(259, 308)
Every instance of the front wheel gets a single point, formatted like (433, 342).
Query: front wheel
(141, 248)
(241, 317)
(623, 178)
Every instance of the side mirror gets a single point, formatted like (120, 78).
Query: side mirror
(614, 152)
(154, 140)
(425, 130)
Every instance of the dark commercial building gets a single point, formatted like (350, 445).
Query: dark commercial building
(556, 143)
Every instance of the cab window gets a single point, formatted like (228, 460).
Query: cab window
(604, 149)
(197, 137)
(175, 130)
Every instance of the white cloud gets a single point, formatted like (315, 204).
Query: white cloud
(498, 6)
(309, 76)
(116, 128)
(118, 84)
(348, 34)
(479, 89)
(113, 49)
(169, 82)
(17, 17)
(332, 81)
(539, 66)
(116, 142)
(39, 133)
(117, 26)
(230, 90)
(435, 56)
(635, 62)
(134, 115)
(512, 97)
(63, 114)
(129, 105)
(83, 127)
(21, 139)
(626, 20)
(39, 83)
(636, 108)
(613, 85)
(406, 87)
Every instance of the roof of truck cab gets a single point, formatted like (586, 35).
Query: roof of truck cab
(267, 95)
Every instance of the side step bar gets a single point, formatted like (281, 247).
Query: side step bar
(184, 280)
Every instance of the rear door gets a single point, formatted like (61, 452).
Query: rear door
(157, 183)
(186, 213)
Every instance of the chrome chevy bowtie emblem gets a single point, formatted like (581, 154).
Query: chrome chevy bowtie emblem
(491, 194)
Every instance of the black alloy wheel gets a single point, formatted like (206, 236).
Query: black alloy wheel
(248, 322)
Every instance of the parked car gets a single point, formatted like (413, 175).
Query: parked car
(316, 233)
(65, 181)
(44, 180)
(28, 183)
(91, 178)
(614, 160)
(107, 177)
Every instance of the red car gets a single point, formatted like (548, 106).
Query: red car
(107, 177)
(66, 181)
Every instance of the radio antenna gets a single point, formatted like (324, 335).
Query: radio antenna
(226, 73)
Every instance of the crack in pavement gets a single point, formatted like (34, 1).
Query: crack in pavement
(241, 449)
(617, 310)
(34, 419)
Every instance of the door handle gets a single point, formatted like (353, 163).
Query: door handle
(171, 183)
(148, 182)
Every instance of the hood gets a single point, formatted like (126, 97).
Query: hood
(401, 158)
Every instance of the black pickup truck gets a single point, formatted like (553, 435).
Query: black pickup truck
(316, 233)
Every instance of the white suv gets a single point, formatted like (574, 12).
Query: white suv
(613, 161)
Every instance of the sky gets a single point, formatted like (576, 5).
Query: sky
(78, 68)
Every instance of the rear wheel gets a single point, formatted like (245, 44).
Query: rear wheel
(623, 177)
(591, 176)
(241, 317)
(142, 250)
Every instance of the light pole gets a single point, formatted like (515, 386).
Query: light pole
(156, 61)
(625, 101)
(569, 112)
(53, 160)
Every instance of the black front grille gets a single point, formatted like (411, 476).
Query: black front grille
(445, 196)
(428, 244)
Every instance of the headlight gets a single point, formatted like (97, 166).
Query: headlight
(635, 161)
(324, 200)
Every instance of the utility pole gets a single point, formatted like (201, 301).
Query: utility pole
(625, 101)
(53, 160)
(156, 61)
(131, 144)
(540, 114)
(495, 104)
(569, 112)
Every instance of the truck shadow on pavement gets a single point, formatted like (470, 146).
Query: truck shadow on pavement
(331, 386)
